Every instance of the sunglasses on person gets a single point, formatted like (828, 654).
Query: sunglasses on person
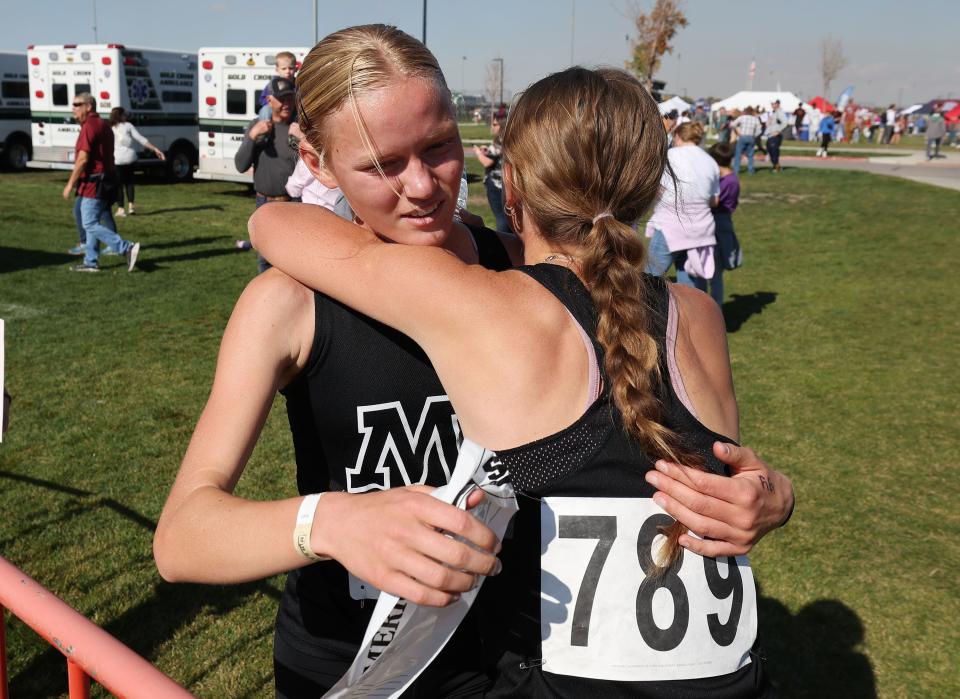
(77, 104)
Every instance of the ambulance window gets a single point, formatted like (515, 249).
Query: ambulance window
(15, 90)
(256, 97)
(59, 95)
(80, 88)
(178, 96)
(236, 101)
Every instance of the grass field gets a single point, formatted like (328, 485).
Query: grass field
(846, 370)
(907, 143)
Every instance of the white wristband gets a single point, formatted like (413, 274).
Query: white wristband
(301, 532)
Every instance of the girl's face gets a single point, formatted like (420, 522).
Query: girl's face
(415, 137)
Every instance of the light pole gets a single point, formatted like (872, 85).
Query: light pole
(573, 26)
(500, 60)
(463, 72)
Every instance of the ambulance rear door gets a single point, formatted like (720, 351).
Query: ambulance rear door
(62, 74)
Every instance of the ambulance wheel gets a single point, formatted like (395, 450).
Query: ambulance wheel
(180, 164)
(16, 154)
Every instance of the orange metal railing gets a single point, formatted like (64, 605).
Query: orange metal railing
(90, 651)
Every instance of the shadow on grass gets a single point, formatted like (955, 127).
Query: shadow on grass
(18, 259)
(740, 307)
(243, 193)
(158, 212)
(150, 264)
(187, 242)
(815, 652)
(145, 627)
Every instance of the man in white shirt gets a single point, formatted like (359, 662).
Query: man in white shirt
(776, 123)
(890, 118)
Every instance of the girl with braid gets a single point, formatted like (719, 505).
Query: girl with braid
(585, 376)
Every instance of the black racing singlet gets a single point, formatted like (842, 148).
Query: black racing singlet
(367, 413)
(578, 615)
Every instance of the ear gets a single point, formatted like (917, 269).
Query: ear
(316, 166)
(509, 199)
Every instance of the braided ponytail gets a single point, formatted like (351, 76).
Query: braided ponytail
(584, 141)
(631, 357)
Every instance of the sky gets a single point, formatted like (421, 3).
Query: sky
(903, 52)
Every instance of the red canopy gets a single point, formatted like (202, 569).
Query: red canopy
(819, 103)
(953, 114)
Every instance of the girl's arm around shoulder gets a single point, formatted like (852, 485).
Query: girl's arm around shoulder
(422, 290)
(704, 361)
(205, 534)
(473, 323)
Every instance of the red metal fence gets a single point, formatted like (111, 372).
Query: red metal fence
(90, 651)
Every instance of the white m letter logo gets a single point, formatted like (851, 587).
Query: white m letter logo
(391, 447)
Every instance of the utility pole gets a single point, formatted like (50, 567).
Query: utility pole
(424, 22)
(463, 71)
(315, 38)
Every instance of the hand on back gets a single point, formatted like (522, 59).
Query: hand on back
(399, 541)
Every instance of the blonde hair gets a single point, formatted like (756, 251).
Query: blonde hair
(581, 143)
(286, 54)
(690, 131)
(352, 62)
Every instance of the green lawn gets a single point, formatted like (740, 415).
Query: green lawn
(476, 131)
(846, 371)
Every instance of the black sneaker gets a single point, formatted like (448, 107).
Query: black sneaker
(131, 255)
(84, 267)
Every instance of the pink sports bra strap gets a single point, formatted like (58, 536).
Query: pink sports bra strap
(676, 380)
(593, 371)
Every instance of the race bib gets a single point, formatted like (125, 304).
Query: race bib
(604, 615)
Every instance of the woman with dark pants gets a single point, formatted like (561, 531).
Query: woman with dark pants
(489, 157)
(125, 155)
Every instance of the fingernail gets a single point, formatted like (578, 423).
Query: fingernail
(725, 448)
(660, 500)
(662, 466)
(497, 568)
(653, 479)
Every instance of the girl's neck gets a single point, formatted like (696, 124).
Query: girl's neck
(724, 171)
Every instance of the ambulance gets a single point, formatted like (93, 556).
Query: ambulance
(157, 89)
(231, 80)
(14, 111)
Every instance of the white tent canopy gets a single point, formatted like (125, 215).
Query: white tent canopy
(746, 98)
(911, 110)
(674, 103)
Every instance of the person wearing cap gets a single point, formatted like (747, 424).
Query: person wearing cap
(776, 123)
(267, 148)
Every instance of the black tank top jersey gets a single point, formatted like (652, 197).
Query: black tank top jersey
(595, 458)
(367, 413)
